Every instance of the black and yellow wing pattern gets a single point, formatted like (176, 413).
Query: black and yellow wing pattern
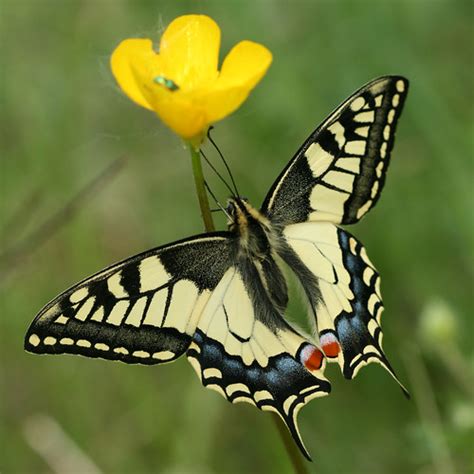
(195, 297)
(336, 178)
(246, 351)
(338, 173)
(143, 310)
(221, 298)
(343, 289)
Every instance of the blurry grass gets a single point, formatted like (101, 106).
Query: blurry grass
(63, 120)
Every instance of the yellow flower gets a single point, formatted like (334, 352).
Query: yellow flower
(181, 82)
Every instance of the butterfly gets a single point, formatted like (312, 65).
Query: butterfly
(220, 298)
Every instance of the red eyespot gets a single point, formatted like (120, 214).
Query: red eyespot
(330, 344)
(311, 357)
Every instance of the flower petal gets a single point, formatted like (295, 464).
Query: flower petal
(132, 59)
(189, 49)
(246, 62)
(179, 112)
(242, 69)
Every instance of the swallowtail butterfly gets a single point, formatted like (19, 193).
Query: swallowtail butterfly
(220, 298)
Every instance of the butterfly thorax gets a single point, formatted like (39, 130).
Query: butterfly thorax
(254, 231)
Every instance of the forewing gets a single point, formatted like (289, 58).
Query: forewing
(339, 172)
(343, 289)
(244, 350)
(142, 310)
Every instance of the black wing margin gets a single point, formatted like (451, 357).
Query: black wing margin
(142, 310)
(339, 172)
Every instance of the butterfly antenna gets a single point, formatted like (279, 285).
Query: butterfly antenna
(217, 173)
(219, 205)
(223, 160)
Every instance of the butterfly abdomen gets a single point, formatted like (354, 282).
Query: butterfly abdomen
(257, 244)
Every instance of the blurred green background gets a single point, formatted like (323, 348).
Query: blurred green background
(63, 121)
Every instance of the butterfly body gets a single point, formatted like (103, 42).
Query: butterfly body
(257, 250)
(221, 298)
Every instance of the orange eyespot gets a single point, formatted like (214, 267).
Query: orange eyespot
(330, 344)
(311, 357)
(332, 349)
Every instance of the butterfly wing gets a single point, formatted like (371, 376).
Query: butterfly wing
(343, 289)
(335, 178)
(245, 350)
(339, 172)
(142, 310)
(189, 296)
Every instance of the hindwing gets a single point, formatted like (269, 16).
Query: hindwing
(343, 289)
(339, 172)
(247, 352)
(142, 310)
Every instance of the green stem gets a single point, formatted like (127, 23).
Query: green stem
(291, 449)
(200, 189)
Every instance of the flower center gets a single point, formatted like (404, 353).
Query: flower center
(168, 83)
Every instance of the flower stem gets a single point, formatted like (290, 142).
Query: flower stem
(200, 189)
(295, 457)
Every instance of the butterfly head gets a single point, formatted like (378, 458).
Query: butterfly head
(251, 226)
(242, 214)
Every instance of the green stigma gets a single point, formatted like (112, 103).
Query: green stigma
(168, 83)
